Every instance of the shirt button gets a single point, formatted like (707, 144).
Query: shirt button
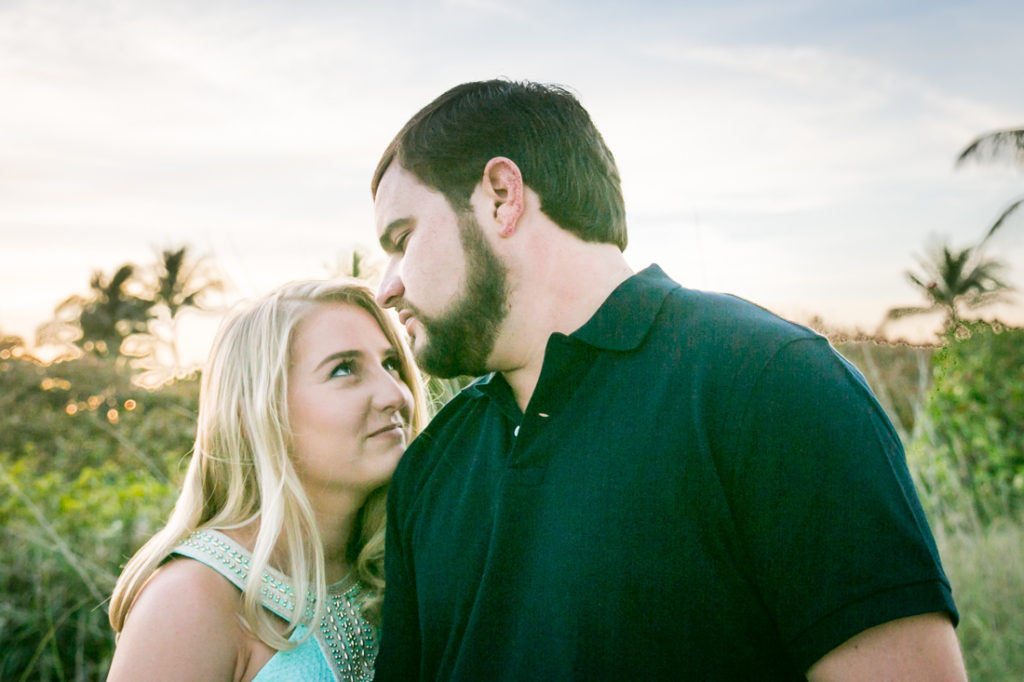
(516, 432)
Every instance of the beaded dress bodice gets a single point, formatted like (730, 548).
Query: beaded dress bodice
(344, 644)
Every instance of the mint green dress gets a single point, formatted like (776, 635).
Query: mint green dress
(344, 645)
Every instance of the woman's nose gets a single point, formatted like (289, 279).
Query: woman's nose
(391, 393)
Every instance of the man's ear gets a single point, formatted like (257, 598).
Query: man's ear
(503, 185)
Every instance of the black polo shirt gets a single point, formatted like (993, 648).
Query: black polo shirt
(698, 490)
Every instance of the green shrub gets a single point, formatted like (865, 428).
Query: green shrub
(969, 452)
(88, 471)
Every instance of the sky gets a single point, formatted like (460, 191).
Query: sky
(798, 153)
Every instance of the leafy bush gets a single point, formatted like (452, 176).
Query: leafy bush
(969, 453)
(88, 469)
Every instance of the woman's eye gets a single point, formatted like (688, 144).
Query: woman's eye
(393, 364)
(343, 369)
(401, 241)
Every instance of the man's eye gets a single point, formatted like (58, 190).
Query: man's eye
(401, 241)
(343, 369)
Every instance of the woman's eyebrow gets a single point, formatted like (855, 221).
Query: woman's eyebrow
(340, 355)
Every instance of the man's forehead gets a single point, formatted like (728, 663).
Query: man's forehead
(394, 191)
(397, 176)
(401, 194)
(387, 202)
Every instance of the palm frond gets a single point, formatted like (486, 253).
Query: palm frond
(1002, 218)
(999, 145)
(897, 313)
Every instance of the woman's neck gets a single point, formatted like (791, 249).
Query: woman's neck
(336, 519)
(335, 515)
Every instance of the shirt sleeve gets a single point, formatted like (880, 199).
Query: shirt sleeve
(398, 658)
(825, 505)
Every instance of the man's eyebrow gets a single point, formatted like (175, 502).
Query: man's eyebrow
(340, 355)
(387, 242)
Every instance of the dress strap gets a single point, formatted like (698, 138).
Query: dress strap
(231, 560)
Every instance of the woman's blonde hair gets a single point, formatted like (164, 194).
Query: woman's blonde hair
(242, 471)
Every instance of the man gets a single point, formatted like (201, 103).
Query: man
(649, 483)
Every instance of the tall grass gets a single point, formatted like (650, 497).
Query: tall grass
(986, 568)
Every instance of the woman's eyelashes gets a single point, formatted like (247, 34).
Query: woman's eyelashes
(343, 369)
(351, 366)
(392, 364)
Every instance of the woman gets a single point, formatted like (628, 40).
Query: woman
(271, 565)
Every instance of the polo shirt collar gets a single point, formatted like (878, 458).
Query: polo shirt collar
(620, 324)
(623, 320)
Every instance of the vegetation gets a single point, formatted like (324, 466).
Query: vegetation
(983, 566)
(969, 451)
(100, 321)
(179, 283)
(89, 464)
(134, 312)
(952, 279)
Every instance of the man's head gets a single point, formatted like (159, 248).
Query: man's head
(505, 140)
(448, 285)
(543, 129)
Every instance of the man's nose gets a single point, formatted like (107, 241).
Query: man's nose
(391, 286)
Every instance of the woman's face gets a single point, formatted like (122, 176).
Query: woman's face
(348, 406)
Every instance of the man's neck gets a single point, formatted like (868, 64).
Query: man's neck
(559, 296)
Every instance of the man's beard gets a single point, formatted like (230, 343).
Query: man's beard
(460, 340)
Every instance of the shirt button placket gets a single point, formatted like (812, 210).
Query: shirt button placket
(529, 474)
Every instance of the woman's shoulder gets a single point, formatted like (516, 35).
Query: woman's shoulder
(184, 623)
(191, 588)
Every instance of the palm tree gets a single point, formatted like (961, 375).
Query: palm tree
(181, 283)
(953, 279)
(178, 286)
(100, 321)
(1000, 145)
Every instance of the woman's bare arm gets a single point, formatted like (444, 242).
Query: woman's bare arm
(183, 626)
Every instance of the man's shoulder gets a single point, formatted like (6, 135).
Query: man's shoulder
(722, 323)
(458, 408)
(710, 315)
(423, 453)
